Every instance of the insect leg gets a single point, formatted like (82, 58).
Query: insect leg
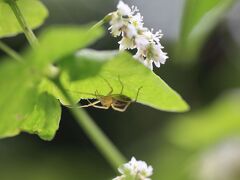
(121, 109)
(96, 106)
(121, 84)
(100, 107)
(111, 89)
(87, 105)
(138, 93)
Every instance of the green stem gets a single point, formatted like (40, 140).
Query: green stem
(101, 141)
(106, 19)
(10, 52)
(23, 23)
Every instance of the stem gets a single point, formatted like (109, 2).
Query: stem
(106, 19)
(23, 23)
(101, 141)
(10, 52)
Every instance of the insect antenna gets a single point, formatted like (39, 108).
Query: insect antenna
(121, 84)
(137, 94)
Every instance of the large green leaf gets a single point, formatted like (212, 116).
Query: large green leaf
(33, 10)
(93, 67)
(59, 41)
(22, 109)
(199, 129)
(199, 19)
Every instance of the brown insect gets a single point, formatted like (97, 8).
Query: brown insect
(118, 102)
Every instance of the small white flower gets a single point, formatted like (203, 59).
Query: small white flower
(142, 42)
(137, 21)
(117, 24)
(157, 36)
(123, 9)
(135, 170)
(129, 35)
(130, 31)
(128, 23)
(126, 43)
(155, 53)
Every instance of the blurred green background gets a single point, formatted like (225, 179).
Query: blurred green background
(202, 40)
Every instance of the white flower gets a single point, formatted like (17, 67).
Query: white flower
(155, 53)
(142, 42)
(119, 19)
(135, 170)
(123, 9)
(130, 31)
(117, 24)
(129, 35)
(137, 21)
(128, 23)
(126, 43)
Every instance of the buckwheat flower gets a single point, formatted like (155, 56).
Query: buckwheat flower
(155, 53)
(117, 24)
(141, 57)
(127, 41)
(137, 21)
(135, 170)
(120, 19)
(157, 36)
(128, 23)
(123, 9)
(142, 42)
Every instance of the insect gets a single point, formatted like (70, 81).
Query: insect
(118, 102)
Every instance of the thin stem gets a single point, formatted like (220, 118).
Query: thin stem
(101, 141)
(10, 52)
(106, 19)
(23, 23)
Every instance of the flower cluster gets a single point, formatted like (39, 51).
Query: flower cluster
(128, 23)
(135, 170)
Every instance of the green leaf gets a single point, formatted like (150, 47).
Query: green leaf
(22, 107)
(199, 19)
(207, 126)
(44, 119)
(33, 10)
(59, 41)
(92, 69)
(17, 98)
